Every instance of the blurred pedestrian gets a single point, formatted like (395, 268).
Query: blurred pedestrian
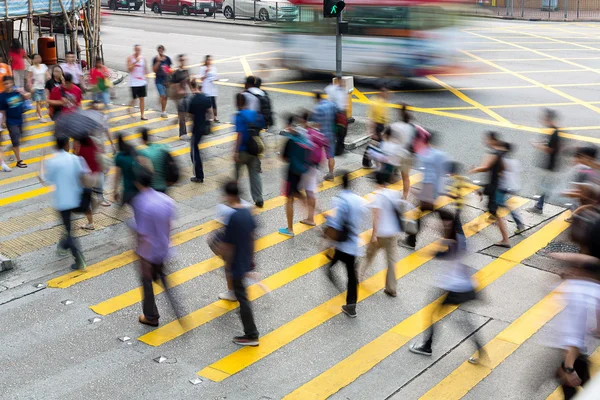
(239, 258)
(208, 74)
(57, 79)
(68, 173)
(65, 98)
(157, 153)
(258, 100)
(248, 124)
(12, 106)
(378, 119)
(125, 163)
(100, 81)
(343, 229)
(5, 70)
(138, 69)
(72, 66)
(336, 92)
(323, 116)
(161, 65)
(17, 57)
(550, 165)
(37, 76)
(510, 184)
(179, 89)
(153, 213)
(198, 107)
(86, 149)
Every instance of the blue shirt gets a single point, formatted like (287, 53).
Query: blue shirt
(242, 120)
(296, 152)
(350, 210)
(12, 103)
(65, 171)
(435, 164)
(161, 74)
(240, 233)
(324, 115)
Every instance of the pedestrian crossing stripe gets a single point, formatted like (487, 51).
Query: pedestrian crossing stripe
(128, 257)
(594, 369)
(285, 334)
(364, 359)
(208, 313)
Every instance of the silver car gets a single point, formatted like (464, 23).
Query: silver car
(260, 9)
(116, 4)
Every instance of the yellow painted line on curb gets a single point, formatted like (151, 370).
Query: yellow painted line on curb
(359, 95)
(193, 271)
(364, 359)
(128, 257)
(287, 333)
(246, 66)
(464, 378)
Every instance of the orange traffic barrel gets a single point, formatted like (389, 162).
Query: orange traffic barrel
(47, 49)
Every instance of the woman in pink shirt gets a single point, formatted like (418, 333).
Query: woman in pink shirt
(16, 58)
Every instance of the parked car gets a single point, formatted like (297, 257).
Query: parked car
(260, 9)
(116, 4)
(182, 7)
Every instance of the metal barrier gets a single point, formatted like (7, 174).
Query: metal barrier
(540, 9)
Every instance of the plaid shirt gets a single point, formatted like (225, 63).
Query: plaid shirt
(324, 115)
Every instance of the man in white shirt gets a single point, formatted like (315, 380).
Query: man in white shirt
(72, 67)
(208, 74)
(252, 102)
(138, 69)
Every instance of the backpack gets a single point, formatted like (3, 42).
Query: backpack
(171, 169)
(318, 145)
(254, 144)
(265, 108)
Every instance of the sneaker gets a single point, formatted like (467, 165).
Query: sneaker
(88, 227)
(286, 232)
(150, 322)
(245, 340)
(422, 350)
(520, 229)
(6, 168)
(185, 138)
(260, 204)
(196, 180)
(328, 177)
(408, 242)
(535, 210)
(61, 252)
(164, 115)
(350, 310)
(43, 120)
(228, 296)
(79, 262)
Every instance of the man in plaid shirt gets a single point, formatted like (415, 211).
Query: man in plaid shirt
(323, 116)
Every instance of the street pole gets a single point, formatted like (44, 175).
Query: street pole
(338, 48)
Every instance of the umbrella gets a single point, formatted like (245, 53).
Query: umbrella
(79, 124)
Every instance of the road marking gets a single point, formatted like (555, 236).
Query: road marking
(289, 82)
(194, 232)
(360, 95)
(467, 99)
(193, 271)
(285, 334)
(246, 66)
(562, 41)
(364, 359)
(464, 378)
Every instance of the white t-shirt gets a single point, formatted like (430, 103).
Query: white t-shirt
(208, 84)
(337, 95)
(252, 102)
(137, 76)
(402, 133)
(387, 224)
(73, 69)
(510, 176)
(39, 76)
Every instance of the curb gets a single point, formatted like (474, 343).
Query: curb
(119, 78)
(196, 19)
(5, 263)
(356, 143)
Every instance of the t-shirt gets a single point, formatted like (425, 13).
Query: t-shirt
(163, 68)
(12, 103)
(96, 74)
(240, 234)
(554, 144)
(296, 152)
(337, 95)
(73, 69)
(65, 170)
(242, 120)
(208, 84)
(4, 71)
(38, 76)
(72, 94)
(137, 76)
(378, 111)
(126, 163)
(88, 151)
(510, 176)
(387, 223)
(18, 59)
(51, 84)
(199, 105)
(156, 153)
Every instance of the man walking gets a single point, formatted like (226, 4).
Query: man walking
(209, 76)
(199, 104)
(239, 258)
(161, 65)
(247, 122)
(74, 68)
(178, 90)
(153, 215)
(12, 107)
(323, 116)
(137, 67)
(550, 166)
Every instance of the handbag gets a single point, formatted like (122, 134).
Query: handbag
(339, 236)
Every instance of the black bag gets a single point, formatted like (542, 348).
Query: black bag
(254, 144)
(265, 108)
(86, 201)
(171, 169)
(342, 235)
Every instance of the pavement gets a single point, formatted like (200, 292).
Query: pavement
(73, 335)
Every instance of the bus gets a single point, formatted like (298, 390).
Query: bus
(386, 38)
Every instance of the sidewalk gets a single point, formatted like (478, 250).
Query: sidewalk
(216, 19)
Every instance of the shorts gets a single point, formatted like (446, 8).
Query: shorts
(213, 102)
(310, 179)
(331, 148)
(39, 95)
(162, 90)
(138, 92)
(292, 185)
(14, 131)
(406, 163)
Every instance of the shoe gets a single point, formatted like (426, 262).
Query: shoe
(79, 262)
(535, 210)
(228, 296)
(391, 294)
(185, 138)
(245, 341)
(408, 242)
(88, 227)
(21, 164)
(328, 177)
(481, 355)
(164, 115)
(196, 180)
(217, 121)
(105, 203)
(422, 350)
(350, 310)
(43, 120)
(61, 252)
(6, 168)
(259, 204)
(146, 321)
(286, 232)
(144, 118)
(520, 229)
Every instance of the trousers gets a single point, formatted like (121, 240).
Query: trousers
(350, 263)
(245, 309)
(195, 155)
(388, 245)
(253, 164)
(68, 242)
(152, 272)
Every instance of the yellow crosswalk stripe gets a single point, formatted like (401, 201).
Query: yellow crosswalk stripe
(361, 361)
(594, 369)
(212, 311)
(128, 257)
(193, 271)
(285, 334)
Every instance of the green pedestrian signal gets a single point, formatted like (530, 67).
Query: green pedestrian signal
(333, 8)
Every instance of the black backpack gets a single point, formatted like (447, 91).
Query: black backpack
(171, 169)
(265, 108)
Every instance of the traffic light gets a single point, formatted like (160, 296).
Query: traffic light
(333, 8)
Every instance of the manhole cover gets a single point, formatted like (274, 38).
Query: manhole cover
(560, 247)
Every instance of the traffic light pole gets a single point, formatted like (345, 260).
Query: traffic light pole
(338, 47)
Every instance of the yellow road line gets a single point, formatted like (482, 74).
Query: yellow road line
(361, 361)
(285, 334)
(467, 99)
(464, 378)
(288, 82)
(128, 257)
(186, 274)
(562, 41)
(360, 95)
(246, 72)
(246, 66)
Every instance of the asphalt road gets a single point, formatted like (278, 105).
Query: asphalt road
(64, 332)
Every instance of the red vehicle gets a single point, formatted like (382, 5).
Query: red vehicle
(182, 7)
